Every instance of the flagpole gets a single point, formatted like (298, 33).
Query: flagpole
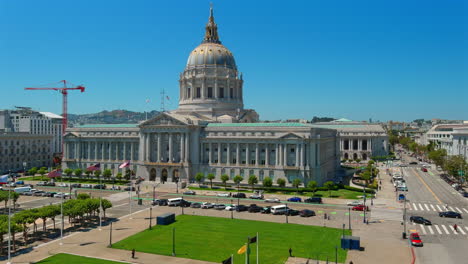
(247, 253)
(257, 247)
(9, 226)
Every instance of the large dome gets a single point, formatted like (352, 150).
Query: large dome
(211, 54)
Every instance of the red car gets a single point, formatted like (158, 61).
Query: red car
(415, 240)
(360, 207)
(423, 169)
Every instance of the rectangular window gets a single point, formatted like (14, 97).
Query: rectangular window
(221, 92)
(231, 93)
(198, 95)
(210, 92)
(188, 92)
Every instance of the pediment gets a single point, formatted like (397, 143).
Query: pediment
(71, 135)
(163, 119)
(291, 136)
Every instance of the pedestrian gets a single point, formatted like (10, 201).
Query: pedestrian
(133, 253)
(351, 262)
(446, 206)
(290, 252)
(455, 227)
(325, 216)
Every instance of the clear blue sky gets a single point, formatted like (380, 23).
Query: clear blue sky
(385, 60)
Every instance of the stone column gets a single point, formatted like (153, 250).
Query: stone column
(276, 154)
(117, 150)
(228, 156)
(187, 147)
(158, 150)
(280, 154)
(219, 153)
(237, 154)
(256, 154)
(147, 146)
(132, 154)
(181, 158)
(267, 155)
(302, 155)
(360, 145)
(210, 152)
(297, 155)
(247, 154)
(95, 150)
(285, 155)
(171, 147)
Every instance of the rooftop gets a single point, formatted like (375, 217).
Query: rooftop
(257, 125)
(107, 126)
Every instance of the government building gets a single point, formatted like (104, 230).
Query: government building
(209, 132)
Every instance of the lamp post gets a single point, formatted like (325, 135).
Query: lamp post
(61, 214)
(110, 235)
(100, 203)
(151, 217)
(349, 218)
(9, 226)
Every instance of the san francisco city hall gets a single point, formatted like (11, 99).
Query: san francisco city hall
(209, 132)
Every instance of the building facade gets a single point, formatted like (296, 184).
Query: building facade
(460, 142)
(19, 151)
(451, 137)
(210, 132)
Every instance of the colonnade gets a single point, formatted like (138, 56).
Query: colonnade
(102, 150)
(162, 147)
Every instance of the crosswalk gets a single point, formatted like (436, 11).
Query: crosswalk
(435, 208)
(441, 229)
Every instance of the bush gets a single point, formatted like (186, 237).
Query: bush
(281, 182)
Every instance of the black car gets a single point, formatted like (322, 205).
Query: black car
(185, 203)
(130, 188)
(190, 192)
(413, 163)
(420, 220)
(465, 194)
(195, 205)
(76, 185)
(242, 208)
(450, 214)
(160, 202)
(266, 210)
(292, 212)
(49, 194)
(255, 208)
(239, 195)
(99, 186)
(313, 200)
(306, 213)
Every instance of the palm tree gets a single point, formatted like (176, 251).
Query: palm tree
(211, 177)
(252, 181)
(224, 179)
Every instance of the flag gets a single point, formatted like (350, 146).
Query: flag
(4, 179)
(242, 249)
(55, 173)
(227, 261)
(253, 240)
(95, 167)
(124, 165)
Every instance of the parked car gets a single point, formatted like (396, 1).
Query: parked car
(49, 194)
(360, 208)
(219, 206)
(189, 192)
(115, 188)
(62, 184)
(130, 188)
(87, 186)
(76, 185)
(272, 200)
(241, 208)
(266, 210)
(413, 163)
(230, 207)
(99, 186)
(61, 195)
(20, 183)
(306, 213)
(294, 199)
(450, 214)
(29, 193)
(253, 208)
(415, 240)
(41, 183)
(420, 220)
(256, 196)
(355, 203)
(38, 193)
(423, 169)
(195, 205)
(50, 184)
(313, 200)
(239, 195)
(185, 203)
(207, 205)
(292, 212)
(160, 202)
(223, 194)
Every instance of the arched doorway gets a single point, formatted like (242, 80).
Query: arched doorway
(164, 175)
(355, 156)
(152, 174)
(346, 156)
(364, 156)
(175, 175)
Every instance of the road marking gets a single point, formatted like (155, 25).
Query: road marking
(438, 229)
(427, 186)
(461, 230)
(430, 230)
(433, 208)
(427, 207)
(438, 208)
(423, 230)
(445, 229)
(453, 230)
(420, 206)
(458, 210)
(415, 207)
(465, 210)
(466, 228)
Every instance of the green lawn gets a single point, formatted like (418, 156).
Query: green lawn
(74, 259)
(215, 239)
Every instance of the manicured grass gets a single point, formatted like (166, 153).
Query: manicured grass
(74, 259)
(215, 239)
(82, 180)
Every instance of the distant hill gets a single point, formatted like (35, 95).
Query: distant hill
(110, 117)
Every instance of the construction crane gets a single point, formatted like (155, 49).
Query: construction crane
(64, 91)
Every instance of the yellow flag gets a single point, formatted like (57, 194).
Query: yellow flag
(242, 249)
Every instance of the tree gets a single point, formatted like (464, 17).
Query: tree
(83, 196)
(24, 218)
(42, 172)
(267, 182)
(78, 173)
(238, 179)
(68, 172)
(211, 177)
(106, 204)
(32, 171)
(252, 181)
(454, 165)
(313, 186)
(199, 177)
(97, 174)
(107, 173)
(358, 160)
(119, 176)
(224, 179)
(52, 211)
(329, 185)
(88, 173)
(366, 176)
(281, 182)
(128, 175)
(296, 183)
(438, 156)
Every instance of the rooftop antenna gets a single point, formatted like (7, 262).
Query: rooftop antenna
(162, 100)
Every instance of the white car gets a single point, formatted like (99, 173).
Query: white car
(62, 185)
(230, 207)
(272, 200)
(355, 203)
(86, 186)
(256, 196)
(223, 194)
(207, 205)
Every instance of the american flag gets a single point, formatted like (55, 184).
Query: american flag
(124, 165)
(54, 173)
(95, 167)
